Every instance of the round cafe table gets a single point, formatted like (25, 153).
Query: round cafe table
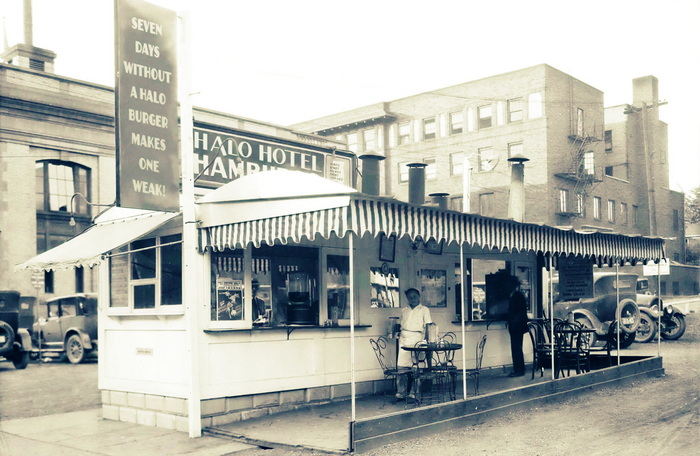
(429, 349)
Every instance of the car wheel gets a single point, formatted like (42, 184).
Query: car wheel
(674, 331)
(586, 323)
(21, 360)
(629, 316)
(7, 331)
(75, 352)
(646, 329)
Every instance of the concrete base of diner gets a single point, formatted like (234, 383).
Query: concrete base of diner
(382, 421)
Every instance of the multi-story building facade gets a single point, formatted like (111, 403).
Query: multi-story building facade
(553, 119)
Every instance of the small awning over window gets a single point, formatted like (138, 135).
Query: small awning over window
(113, 229)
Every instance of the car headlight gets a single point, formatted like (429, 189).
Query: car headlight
(668, 310)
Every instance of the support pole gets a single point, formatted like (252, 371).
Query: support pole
(466, 184)
(658, 297)
(618, 314)
(351, 275)
(464, 338)
(551, 314)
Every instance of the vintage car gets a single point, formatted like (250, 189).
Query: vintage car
(69, 326)
(599, 311)
(653, 310)
(15, 342)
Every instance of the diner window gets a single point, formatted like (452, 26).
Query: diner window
(579, 122)
(404, 133)
(596, 207)
(563, 200)
(456, 122)
(515, 110)
(534, 105)
(488, 159)
(485, 116)
(635, 215)
(515, 149)
(403, 172)
(429, 128)
(155, 272)
(489, 289)
(623, 213)
(611, 211)
(431, 169)
(457, 164)
(486, 207)
(384, 288)
(608, 141)
(338, 286)
(370, 140)
(352, 142)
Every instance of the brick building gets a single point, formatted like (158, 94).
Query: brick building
(581, 172)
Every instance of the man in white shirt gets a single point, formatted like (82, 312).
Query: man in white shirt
(413, 321)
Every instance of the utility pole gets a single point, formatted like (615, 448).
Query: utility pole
(651, 191)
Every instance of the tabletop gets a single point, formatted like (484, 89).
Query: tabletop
(574, 330)
(434, 347)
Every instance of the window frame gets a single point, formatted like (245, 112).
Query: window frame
(563, 200)
(425, 122)
(354, 146)
(453, 129)
(579, 122)
(46, 193)
(373, 133)
(401, 166)
(516, 144)
(624, 213)
(597, 206)
(481, 121)
(611, 210)
(480, 168)
(608, 140)
(431, 168)
(512, 111)
(454, 164)
(400, 138)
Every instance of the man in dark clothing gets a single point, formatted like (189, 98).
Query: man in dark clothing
(517, 326)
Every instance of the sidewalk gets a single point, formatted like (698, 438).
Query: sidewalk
(86, 433)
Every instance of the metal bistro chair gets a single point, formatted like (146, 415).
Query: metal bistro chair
(444, 368)
(424, 376)
(388, 365)
(540, 336)
(474, 373)
(570, 349)
(609, 344)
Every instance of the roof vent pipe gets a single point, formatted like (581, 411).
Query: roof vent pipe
(416, 183)
(370, 173)
(439, 199)
(516, 200)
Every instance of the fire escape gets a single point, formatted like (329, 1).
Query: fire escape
(581, 171)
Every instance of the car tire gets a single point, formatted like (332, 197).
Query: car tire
(75, 350)
(630, 308)
(9, 333)
(21, 360)
(646, 329)
(676, 332)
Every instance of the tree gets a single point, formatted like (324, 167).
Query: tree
(692, 206)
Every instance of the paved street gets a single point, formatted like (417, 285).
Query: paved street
(656, 416)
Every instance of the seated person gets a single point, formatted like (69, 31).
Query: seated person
(413, 321)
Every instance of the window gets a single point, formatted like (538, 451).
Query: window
(227, 289)
(676, 219)
(79, 280)
(486, 204)
(611, 211)
(608, 141)
(48, 281)
(676, 288)
(456, 122)
(623, 213)
(485, 114)
(403, 172)
(608, 170)
(488, 159)
(588, 164)
(338, 283)
(431, 169)
(57, 182)
(581, 205)
(429, 128)
(488, 289)
(404, 132)
(596, 207)
(457, 203)
(663, 288)
(534, 104)
(563, 199)
(155, 276)
(515, 110)
(515, 149)
(457, 164)
(370, 139)
(635, 215)
(579, 122)
(352, 142)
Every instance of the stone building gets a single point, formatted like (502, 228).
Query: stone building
(555, 120)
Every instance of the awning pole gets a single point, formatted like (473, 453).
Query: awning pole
(464, 316)
(551, 315)
(352, 324)
(618, 311)
(660, 307)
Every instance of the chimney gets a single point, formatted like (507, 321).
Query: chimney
(370, 173)
(439, 199)
(516, 200)
(26, 55)
(416, 183)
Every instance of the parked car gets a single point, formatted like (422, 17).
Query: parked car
(15, 342)
(599, 311)
(70, 327)
(654, 310)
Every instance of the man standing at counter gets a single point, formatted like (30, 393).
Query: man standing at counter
(413, 321)
(517, 326)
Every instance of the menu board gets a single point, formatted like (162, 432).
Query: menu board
(229, 299)
(575, 278)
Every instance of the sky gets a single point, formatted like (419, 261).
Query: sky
(289, 61)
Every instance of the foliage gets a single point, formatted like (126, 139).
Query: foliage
(692, 206)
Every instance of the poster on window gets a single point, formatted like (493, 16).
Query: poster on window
(433, 284)
(384, 291)
(229, 299)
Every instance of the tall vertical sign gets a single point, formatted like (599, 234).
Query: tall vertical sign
(148, 165)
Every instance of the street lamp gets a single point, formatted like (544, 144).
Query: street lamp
(71, 222)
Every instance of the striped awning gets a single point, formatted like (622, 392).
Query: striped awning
(376, 215)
